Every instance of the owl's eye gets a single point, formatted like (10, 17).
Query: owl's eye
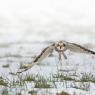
(58, 45)
(64, 45)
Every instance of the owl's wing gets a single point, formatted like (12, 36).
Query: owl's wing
(78, 48)
(45, 53)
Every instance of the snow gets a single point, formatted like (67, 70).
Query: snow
(28, 26)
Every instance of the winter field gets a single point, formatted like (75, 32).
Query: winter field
(76, 76)
(27, 27)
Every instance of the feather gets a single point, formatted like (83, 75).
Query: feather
(78, 48)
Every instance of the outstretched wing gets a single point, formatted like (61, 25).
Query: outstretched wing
(77, 48)
(45, 53)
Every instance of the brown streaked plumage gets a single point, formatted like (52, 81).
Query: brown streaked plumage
(37, 58)
(45, 53)
(78, 48)
(87, 50)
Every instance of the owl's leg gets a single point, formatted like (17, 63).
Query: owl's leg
(64, 55)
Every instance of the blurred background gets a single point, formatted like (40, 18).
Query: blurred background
(45, 20)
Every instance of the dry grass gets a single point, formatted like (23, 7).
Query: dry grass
(63, 93)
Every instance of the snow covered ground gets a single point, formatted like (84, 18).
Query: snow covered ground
(27, 27)
(78, 71)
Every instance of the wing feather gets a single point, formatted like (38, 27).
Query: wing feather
(78, 48)
(45, 53)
